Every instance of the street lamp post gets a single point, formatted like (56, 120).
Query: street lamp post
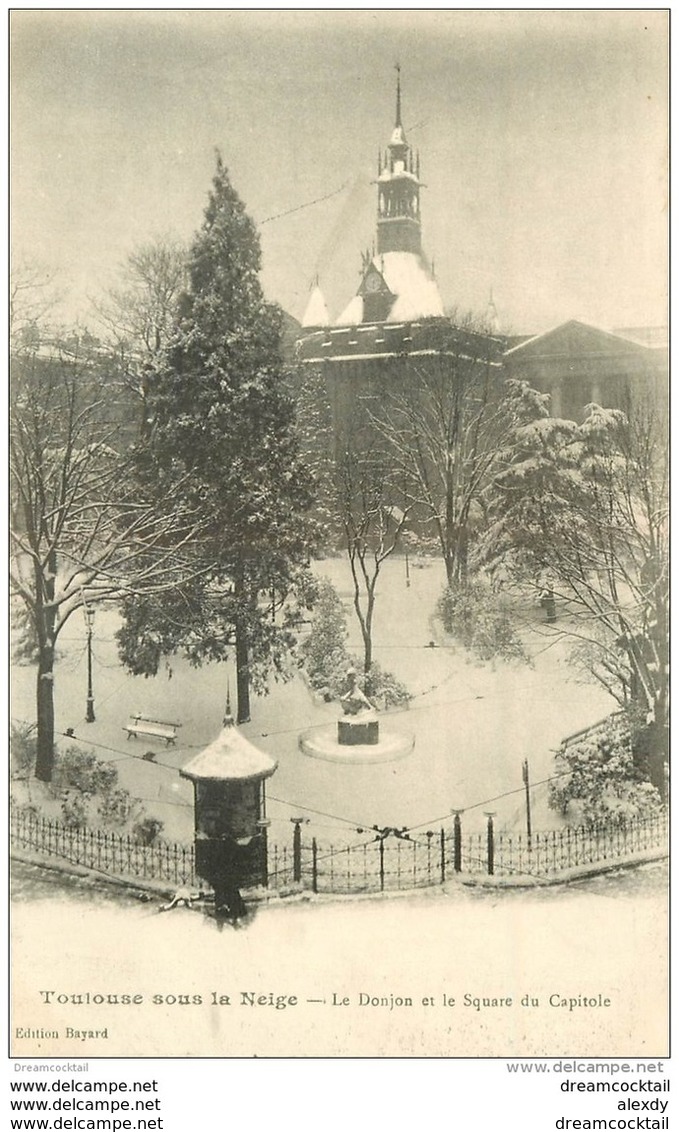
(89, 621)
(526, 782)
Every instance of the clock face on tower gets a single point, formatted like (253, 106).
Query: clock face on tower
(373, 283)
(377, 297)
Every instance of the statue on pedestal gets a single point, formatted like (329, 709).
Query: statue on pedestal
(357, 739)
(364, 728)
(354, 699)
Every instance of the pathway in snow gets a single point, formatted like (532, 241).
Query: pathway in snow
(474, 724)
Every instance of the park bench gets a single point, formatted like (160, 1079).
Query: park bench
(151, 728)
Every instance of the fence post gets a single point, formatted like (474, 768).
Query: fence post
(297, 849)
(314, 865)
(443, 855)
(381, 844)
(457, 842)
(491, 842)
(264, 852)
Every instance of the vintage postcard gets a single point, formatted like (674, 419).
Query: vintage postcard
(339, 552)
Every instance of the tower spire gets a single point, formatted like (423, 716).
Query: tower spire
(398, 191)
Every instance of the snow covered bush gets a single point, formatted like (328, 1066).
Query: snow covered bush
(89, 791)
(599, 778)
(324, 653)
(326, 659)
(147, 830)
(383, 688)
(23, 742)
(482, 621)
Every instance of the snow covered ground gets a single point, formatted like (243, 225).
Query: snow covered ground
(603, 940)
(473, 723)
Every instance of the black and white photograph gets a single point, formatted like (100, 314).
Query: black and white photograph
(338, 487)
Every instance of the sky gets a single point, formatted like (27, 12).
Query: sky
(542, 134)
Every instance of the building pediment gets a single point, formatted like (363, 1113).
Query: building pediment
(575, 339)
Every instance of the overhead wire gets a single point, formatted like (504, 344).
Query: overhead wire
(495, 798)
(170, 766)
(307, 204)
(70, 734)
(322, 813)
(349, 821)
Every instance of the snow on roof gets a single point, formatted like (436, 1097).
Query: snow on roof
(407, 277)
(397, 175)
(231, 756)
(417, 294)
(526, 341)
(375, 340)
(353, 313)
(316, 313)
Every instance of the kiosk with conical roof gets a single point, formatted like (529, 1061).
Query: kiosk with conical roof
(230, 810)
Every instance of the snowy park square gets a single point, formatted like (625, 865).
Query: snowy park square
(339, 459)
(473, 723)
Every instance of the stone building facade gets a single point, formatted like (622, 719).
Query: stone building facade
(394, 326)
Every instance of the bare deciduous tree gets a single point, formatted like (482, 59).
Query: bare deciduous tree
(442, 424)
(81, 531)
(138, 316)
(32, 295)
(372, 523)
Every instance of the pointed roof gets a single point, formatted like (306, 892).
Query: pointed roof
(230, 757)
(352, 314)
(492, 317)
(410, 281)
(416, 290)
(316, 313)
(574, 337)
(654, 337)
(398, 137)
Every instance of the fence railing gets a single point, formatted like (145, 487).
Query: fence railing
(106, 852)
(551, 852)
(383, 860)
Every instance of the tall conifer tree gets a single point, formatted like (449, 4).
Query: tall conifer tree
(223, 425)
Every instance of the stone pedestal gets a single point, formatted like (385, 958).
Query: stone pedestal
(357, 731)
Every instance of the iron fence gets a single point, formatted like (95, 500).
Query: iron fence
(555, 851)
(385, 863)
(384, 860)
(395, 860)
(103, 851)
